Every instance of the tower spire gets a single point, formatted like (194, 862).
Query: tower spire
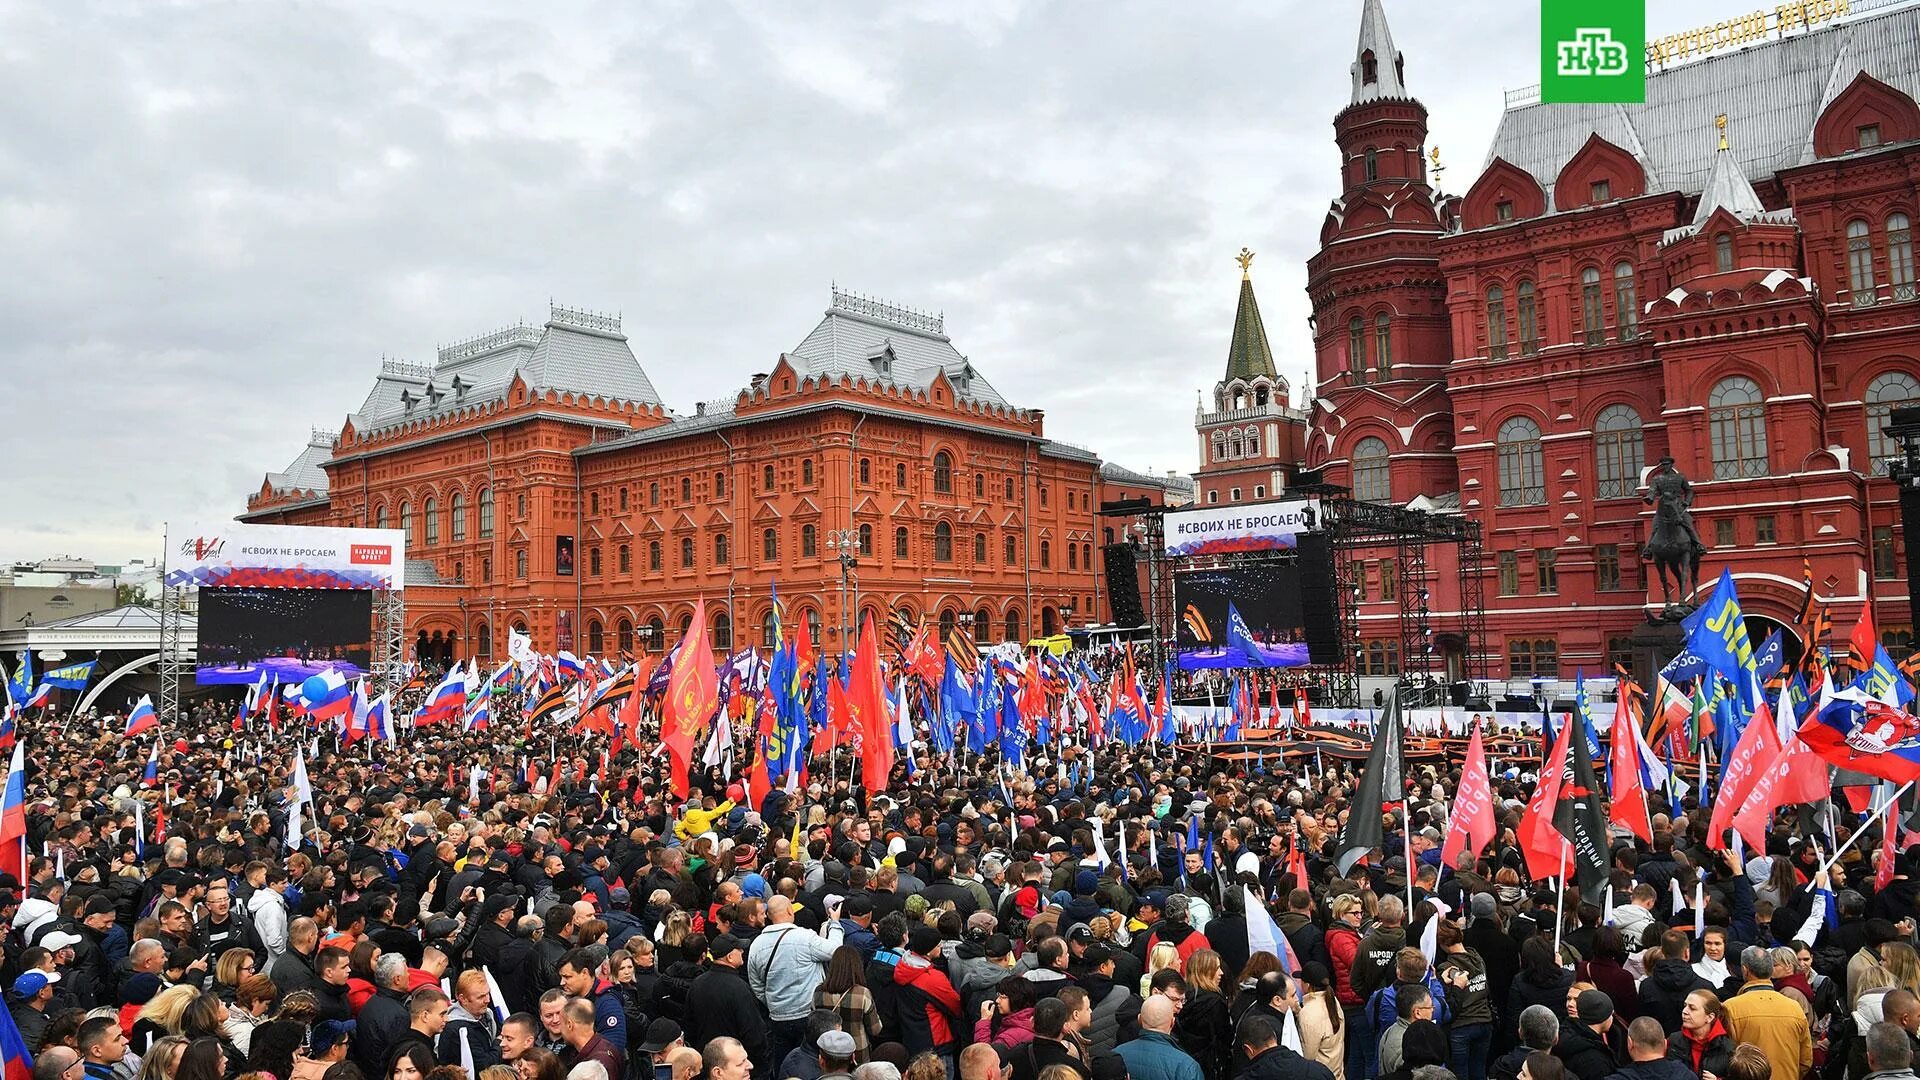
(1248, 354)
(1377, 65)
(1727, 185)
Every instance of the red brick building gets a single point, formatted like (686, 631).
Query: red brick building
(544, 485)
(1724, 274)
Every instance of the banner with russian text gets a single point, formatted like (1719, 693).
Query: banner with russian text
(1217, 530)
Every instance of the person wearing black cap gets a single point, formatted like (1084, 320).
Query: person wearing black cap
(663, 1038)
(1583, 1045)
(930, 1008)
(720, 1003)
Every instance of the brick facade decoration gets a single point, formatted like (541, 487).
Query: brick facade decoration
(544, 486)
(1724, 275)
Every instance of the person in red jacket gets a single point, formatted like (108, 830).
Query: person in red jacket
(1343, 946)
(930, 1008)
(1173, 930)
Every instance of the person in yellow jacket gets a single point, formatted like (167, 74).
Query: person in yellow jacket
(700, 819)
(1765, 1017)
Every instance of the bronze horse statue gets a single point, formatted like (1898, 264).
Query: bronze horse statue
(1674, 548)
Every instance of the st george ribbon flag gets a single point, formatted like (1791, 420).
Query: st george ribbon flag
(1380, 784)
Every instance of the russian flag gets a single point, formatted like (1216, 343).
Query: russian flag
(481, 716)
(376, 720)
(152, 775)
(325, 696)
(13, 851)
(447, 701)
(356, 725)
(142, 718)
(14, 1058)
(39, 696)
(569, 664)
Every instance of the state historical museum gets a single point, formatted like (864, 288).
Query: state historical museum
(1724, 275)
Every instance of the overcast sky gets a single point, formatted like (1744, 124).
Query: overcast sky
(218, 217)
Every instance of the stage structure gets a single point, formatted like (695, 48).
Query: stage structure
(1322, 533)
(282, 603)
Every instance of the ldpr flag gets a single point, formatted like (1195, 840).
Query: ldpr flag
(1380, 783)
(1471, 826)
(693, 693)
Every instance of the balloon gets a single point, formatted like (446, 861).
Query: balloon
(314, 689)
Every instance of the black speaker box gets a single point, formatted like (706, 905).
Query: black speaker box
(1123, 584)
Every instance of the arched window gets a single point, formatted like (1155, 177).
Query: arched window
(1619, 450)
(722, 549)
(812, 619)
(596, 637)
(406, 520)
(593, 560)
(520, 564)
(457, 517)
(1522, 471)
(623, 636)
(1371, 481)
(1496, 323)
(947, 622)
(766, 478)
(866, 540)
(1357, 349)
(943, 473)
(809, 541)
(380, 516)
(686, 626)
(653, 555)
(1233, 446)
(1885, 394)
(1046, 554)
(982, 626)
(1013, 625)
(1527, 313)
(1219, 445)
(656, 635)
(719, 485)
(686, 552)
(1722, 253)
(432, 512)
(1900, 256)
(1626, 307)
(900, 542)
(1369, 68)
(768, 638)
(1383, 345)
(1737, 422)
(686, 489)
(1373, 164)
(623, 500)
(979, 548)
(482, 640)
(770, 545)
(1073, 557)
(942, 542)
(866, 470)
(723, 632)
(1592, 316)
(1046, 622)
(900, 474)
(1860, 263)
(806, 472)
(979, 485)
(625, 559)
(1012, 549)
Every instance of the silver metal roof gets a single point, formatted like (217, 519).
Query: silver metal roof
(882, 342)
(1375, 36)
(306, 474)
(1771, 92)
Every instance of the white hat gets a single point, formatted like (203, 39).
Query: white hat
(55, 940)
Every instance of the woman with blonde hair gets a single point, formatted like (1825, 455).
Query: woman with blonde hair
(162, 1059)
(160, 1016)
(1162, 956)
(230, 970)
(1203, 1027)
(1903, 964)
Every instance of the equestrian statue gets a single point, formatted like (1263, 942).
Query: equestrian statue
(1674, 548)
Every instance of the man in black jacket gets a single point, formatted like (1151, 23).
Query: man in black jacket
(1268, 1060)
(494, 935)
(293, 970)
(720, 1003)
(1583, 1038)
(384, 1015)
(1048, 1046)
(1672, 978)
(555, 942)
(517, 959)
(1647, 1051)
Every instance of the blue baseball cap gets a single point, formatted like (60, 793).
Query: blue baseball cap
(32, 982)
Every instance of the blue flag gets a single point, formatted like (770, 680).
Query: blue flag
(1717, 633)
(1240, 639)
(1771, 657)
(70, 677)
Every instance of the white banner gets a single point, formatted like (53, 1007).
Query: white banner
(1217, 530)
(229, 554)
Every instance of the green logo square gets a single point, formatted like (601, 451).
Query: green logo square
(1593, 51)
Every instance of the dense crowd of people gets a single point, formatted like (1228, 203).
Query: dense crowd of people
(513, 904)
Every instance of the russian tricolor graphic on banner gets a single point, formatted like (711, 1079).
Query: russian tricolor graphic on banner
(325, 696)
(1853, 730)
(142, 718)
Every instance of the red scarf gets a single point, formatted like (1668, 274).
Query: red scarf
(1700, 1045)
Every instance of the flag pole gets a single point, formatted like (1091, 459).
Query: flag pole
(1406, 834)
(1559, 903)
(1858, 833)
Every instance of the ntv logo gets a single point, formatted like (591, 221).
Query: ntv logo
(1593, 51)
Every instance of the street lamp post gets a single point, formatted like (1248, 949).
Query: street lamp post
(845, 546)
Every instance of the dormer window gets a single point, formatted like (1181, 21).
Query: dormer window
(1601, 191)
(459, 387)
(883, 362)
(1867, 136)
(1369, 69)
(1722, 253)
(963, 379)
(407, 400)
(434, 395)
(1503, 210)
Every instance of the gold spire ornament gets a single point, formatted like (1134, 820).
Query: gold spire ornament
(1721, 123)
(1245, 259)
(1433, 155)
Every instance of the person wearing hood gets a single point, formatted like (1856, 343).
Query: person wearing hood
(1647, 1054)
(471, 1038)
(1114, 1006)
(1664, 991)
(1083, 906)
(978, 966)
(1702, 1043)
(267, 907)
(1007, 1020)
(1583, 1047)
(1633, 917)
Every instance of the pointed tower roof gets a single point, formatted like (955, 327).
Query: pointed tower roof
(1376, 63)
(1727, 186)
(1248, 354)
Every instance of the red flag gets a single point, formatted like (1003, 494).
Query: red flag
(559, 776)
(1302, 715)
(803, 646)
(1864, 641)
(1546, 850)
(1627, 804)
(1296, 862)
(1758, 747)
(867, 706)
(1796, 775)
(1471, 826)
(693, 693)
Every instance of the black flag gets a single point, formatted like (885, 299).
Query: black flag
(1578, 816)
(1380, 784)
